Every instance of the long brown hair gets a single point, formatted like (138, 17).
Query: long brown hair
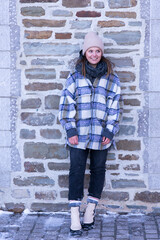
(83, 60)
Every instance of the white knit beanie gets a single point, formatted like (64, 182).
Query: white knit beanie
(92, 40)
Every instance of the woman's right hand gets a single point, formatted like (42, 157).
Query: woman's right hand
(73, 140)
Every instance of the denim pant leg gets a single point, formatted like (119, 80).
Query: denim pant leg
(97, 172)
(78, 158)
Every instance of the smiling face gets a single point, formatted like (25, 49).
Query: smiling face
(93, 55)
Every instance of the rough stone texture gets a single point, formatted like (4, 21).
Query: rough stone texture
(126, 183)
(130, 145)
(80, 24)
(88, 14)
(32, 11)
(43, 23)
(50, 61)
(44, 151)
(124, 37)
(50, 133)
(122, 62)
(111, 23)
(62, 13)
(50, 49)
(121, 14)
(152, 197)
(49, 207)
(34, 181)
(20, 193)
(126, 130)
(36, 1)
(42, 73)
(34, 167)
(122, 3)
(132, 102)
(126, 76)
(116, 196)
(63, 35)
(128, 157)
(31, 103)
(58, 166)
(112, 166)
(99, 5)
(52, 102)
(132, 167)
(51, 195)
(15, 207)
(27, 134)
(43, 86)
(38, 34)
(38, 119)
(76, 3)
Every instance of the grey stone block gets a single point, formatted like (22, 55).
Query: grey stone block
(154, 71)
(6, 59)
(44, 151)
(38, 119)
(154, 100)
(154, 123)
(153, 181)
(5, 113)
(4, 13)
(5, 139)
(5, 82)
(5, 38)
(61, 13)
(125, 183)
(5, 159)
(155, 38)
(20, 193)
(49, 49)
(27, 134)
(40, 73)
(124, 37)
(155, 9)
(154, 150)
(40, 61)
(80, 24)
(34, 181)
(5, 179)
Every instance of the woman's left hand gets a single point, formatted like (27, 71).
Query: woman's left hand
(105, 141)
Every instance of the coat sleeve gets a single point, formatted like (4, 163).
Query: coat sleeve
(114, 113)
(67, 107)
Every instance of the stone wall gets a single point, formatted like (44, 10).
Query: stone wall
(51, 35)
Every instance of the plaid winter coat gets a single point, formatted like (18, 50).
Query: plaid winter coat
(93, 110)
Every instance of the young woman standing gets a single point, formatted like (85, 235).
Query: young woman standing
(89, 112)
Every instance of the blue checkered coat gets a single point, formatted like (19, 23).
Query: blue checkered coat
(93, 110)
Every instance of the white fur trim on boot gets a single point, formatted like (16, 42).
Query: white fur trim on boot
(89, 213)
(75, 219)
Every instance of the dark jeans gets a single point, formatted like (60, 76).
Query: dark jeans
(78, 159)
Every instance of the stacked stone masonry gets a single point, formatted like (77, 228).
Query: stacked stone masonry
(51, 35)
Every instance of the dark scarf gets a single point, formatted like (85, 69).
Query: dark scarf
(92, 72)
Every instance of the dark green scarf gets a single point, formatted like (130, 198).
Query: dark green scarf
(91, 72)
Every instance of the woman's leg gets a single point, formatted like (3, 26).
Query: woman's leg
(97, 170)
(97, 177)
(78, 158)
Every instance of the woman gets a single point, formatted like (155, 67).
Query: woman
(89, 112)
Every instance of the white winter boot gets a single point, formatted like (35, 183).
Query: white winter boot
(88, 220)
(76, 227)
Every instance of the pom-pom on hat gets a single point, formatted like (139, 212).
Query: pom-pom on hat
(92, 40)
